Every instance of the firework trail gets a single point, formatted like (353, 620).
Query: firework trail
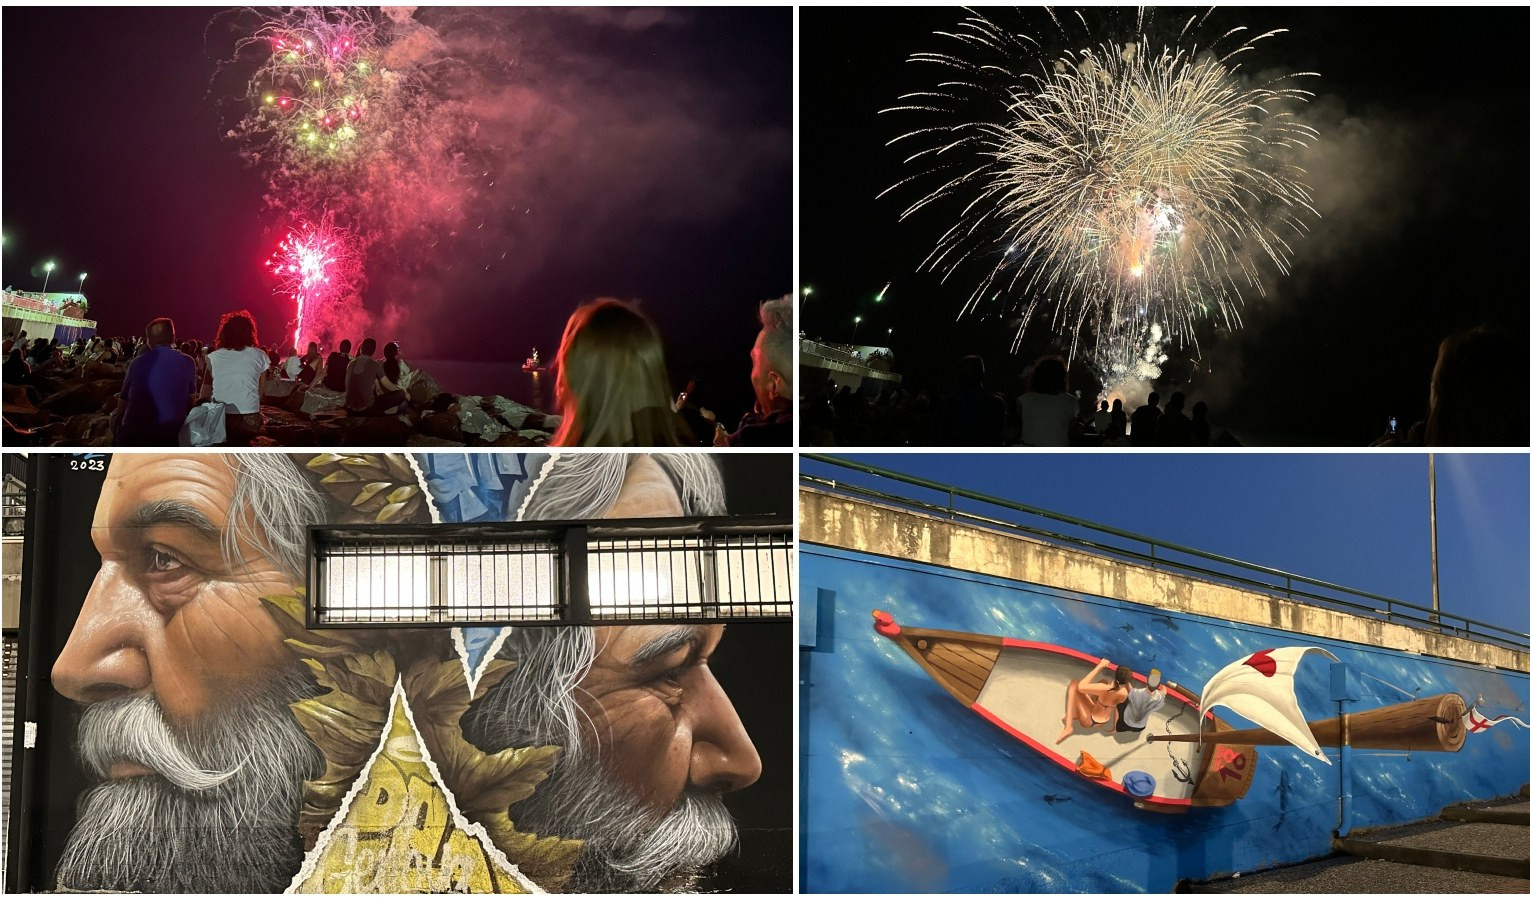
(316, 265)
(1128, 189)
(347, 113)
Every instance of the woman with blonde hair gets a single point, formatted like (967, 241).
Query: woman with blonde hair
(613, 387)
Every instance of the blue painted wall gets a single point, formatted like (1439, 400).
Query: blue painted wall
(903, 789)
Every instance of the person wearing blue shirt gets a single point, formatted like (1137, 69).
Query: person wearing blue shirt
(157, 392)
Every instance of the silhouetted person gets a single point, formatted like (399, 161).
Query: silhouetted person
(157, 392)
(1102, 418)
(1465, 406)
(334, 367)
(1200, 425)
(1173, 429)
(367, 388)
(1145, 422)
(1048, 413)
(1117, 421)
(971, 416)
(16, 369)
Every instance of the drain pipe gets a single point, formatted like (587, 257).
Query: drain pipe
(1339, 691)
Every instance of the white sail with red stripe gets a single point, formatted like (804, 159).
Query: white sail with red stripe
(1261, 687)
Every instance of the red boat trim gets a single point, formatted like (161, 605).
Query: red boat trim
(1058, 758)
(1091, 660)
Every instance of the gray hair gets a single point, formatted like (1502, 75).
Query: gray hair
(282, 503)
(628, 846)
(534, 705)
(584, 485)
(776, 333)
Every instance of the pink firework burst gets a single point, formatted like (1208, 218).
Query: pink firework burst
(316, 265)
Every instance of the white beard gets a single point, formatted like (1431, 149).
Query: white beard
(220, 814)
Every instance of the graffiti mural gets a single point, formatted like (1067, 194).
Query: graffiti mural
(228, 747)
(962, 733)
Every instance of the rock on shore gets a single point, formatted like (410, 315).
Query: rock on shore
(76, 412)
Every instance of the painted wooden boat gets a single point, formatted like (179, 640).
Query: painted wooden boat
(1021, 688)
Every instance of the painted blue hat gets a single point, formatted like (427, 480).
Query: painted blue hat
(1139, 784)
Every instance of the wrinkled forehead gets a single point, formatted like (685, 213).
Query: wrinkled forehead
(646, 492)
(203, 482)
(639, 645)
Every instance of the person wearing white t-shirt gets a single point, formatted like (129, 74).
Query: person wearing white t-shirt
(1048, 413)
(238, 375)
(1140, 703)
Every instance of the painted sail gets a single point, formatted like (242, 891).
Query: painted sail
(1261, 687)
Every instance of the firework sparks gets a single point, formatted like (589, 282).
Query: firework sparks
(346, 112)
(316, 265)
(325, 96)
(1131, 190)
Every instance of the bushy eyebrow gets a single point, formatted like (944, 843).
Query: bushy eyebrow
(667, 643)
(173, 512)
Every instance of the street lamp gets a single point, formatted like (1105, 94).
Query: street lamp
(47, 273)
(855, 329)
(82, 283)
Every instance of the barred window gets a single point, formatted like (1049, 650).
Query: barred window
(639, 570)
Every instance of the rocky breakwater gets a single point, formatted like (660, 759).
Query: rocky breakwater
(75, 411)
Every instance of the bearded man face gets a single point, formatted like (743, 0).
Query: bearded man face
(185, 684)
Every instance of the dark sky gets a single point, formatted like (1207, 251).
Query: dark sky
(633, 153)
(1372, 533)
(1417, 176)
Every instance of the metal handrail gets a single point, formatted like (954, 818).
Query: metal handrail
(1430, 618)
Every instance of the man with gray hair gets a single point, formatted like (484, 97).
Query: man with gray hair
(157, 392)
(185, 681)
(770, 423)
(650, 739)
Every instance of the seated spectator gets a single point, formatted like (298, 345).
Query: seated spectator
(291, 364)
(158, 390)
(366, 387)
(238, 369)
(770, 423)
(313, 361)
(16, 369)
(612, 384)
(394, 367)
(334, 367)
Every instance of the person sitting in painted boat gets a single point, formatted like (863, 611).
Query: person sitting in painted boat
(1093, 702)
(1141, 702)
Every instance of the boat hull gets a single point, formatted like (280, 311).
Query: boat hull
(1021, 688)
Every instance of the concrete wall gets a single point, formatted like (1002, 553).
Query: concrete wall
(853, 524)
(905, 789)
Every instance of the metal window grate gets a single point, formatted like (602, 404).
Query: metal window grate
(438, 581)
(691, 577)
(641, 570)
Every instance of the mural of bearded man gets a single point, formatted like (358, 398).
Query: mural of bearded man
(186, 685)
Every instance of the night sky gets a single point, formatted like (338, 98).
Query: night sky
(1359, 520)
(633, 153)
(1417, 176)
